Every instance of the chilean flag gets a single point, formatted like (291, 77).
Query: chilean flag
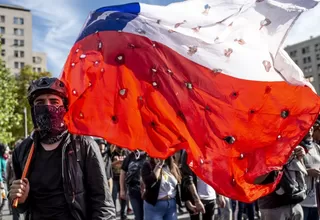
(208, 76)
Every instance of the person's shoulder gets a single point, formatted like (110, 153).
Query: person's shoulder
(24, 146)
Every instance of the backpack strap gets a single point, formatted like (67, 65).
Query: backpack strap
(80, 153)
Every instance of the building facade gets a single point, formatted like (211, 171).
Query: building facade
(16, 40)
(306, 55)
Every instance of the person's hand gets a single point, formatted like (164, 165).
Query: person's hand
(299, 152)
(200, 206)
(123, 195)
(313, 172)
(159, 162)
(191, 207)
(19, 189)
(222, 202)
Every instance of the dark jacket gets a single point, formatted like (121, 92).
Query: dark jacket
(84, 180)
(188, 178)
(152, 184)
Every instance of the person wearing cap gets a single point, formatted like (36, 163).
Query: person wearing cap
(66, 178)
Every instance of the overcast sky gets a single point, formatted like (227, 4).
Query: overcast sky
(56, 24)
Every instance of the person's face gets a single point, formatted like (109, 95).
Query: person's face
(102, 147)
(309, 134)
(48, 99)
(316, 132)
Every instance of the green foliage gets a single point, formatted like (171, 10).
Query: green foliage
(8, 104)
(22, 81)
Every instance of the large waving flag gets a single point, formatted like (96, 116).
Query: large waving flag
(208, 76)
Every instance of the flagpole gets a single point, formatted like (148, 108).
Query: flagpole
(25, 122)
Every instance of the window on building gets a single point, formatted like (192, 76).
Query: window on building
(296, 61)
(2, 19)
(3, 52)
(2, 30)
(310, 79)
(304, 60)
(18, 54)
(39, 70)
(21, 64)
(3, 41)
(317, 47)
(18, 31)
(305, 50)
(17, 20)
(36, 60)
(310, 69)
(34, 69)
(16, 65)
(18, 43)
(318, 56)
(309, 59)
(318, 67)
(293, 53)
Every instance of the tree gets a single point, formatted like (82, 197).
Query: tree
(23, 80)
(8, 104)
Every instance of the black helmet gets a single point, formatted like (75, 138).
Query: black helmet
(50, 85)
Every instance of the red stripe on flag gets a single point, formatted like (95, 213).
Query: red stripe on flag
(140, 94)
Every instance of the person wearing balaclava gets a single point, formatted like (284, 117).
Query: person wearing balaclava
(312, 163)
(66, 178)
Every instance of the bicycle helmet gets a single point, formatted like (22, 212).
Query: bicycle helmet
(49, 85)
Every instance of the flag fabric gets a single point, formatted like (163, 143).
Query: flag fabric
(208, 76)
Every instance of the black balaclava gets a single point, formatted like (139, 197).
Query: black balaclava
(48, 121)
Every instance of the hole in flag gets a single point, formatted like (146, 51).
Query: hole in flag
(123, 92)
(114, 118)
(230, 139)
(120, 59)
(81, 115)
(252, 111)
(189, 85)
(241, 156)
(82, 56)
(268, 89)
(153, 124)
(155, 84)
(285, 113)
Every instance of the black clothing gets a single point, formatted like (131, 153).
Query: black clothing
(210, 207)
(132, 167)
(46, 194)
(188, 178)
(84, 181)
(106, 156)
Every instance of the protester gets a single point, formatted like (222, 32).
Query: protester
(130, 181)
(106, 156)
(10, 178)
(2, 175)
(199, 197)
(66, 178)
(284, 202)
(117, 156)
(312, 163)
(161, 194)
